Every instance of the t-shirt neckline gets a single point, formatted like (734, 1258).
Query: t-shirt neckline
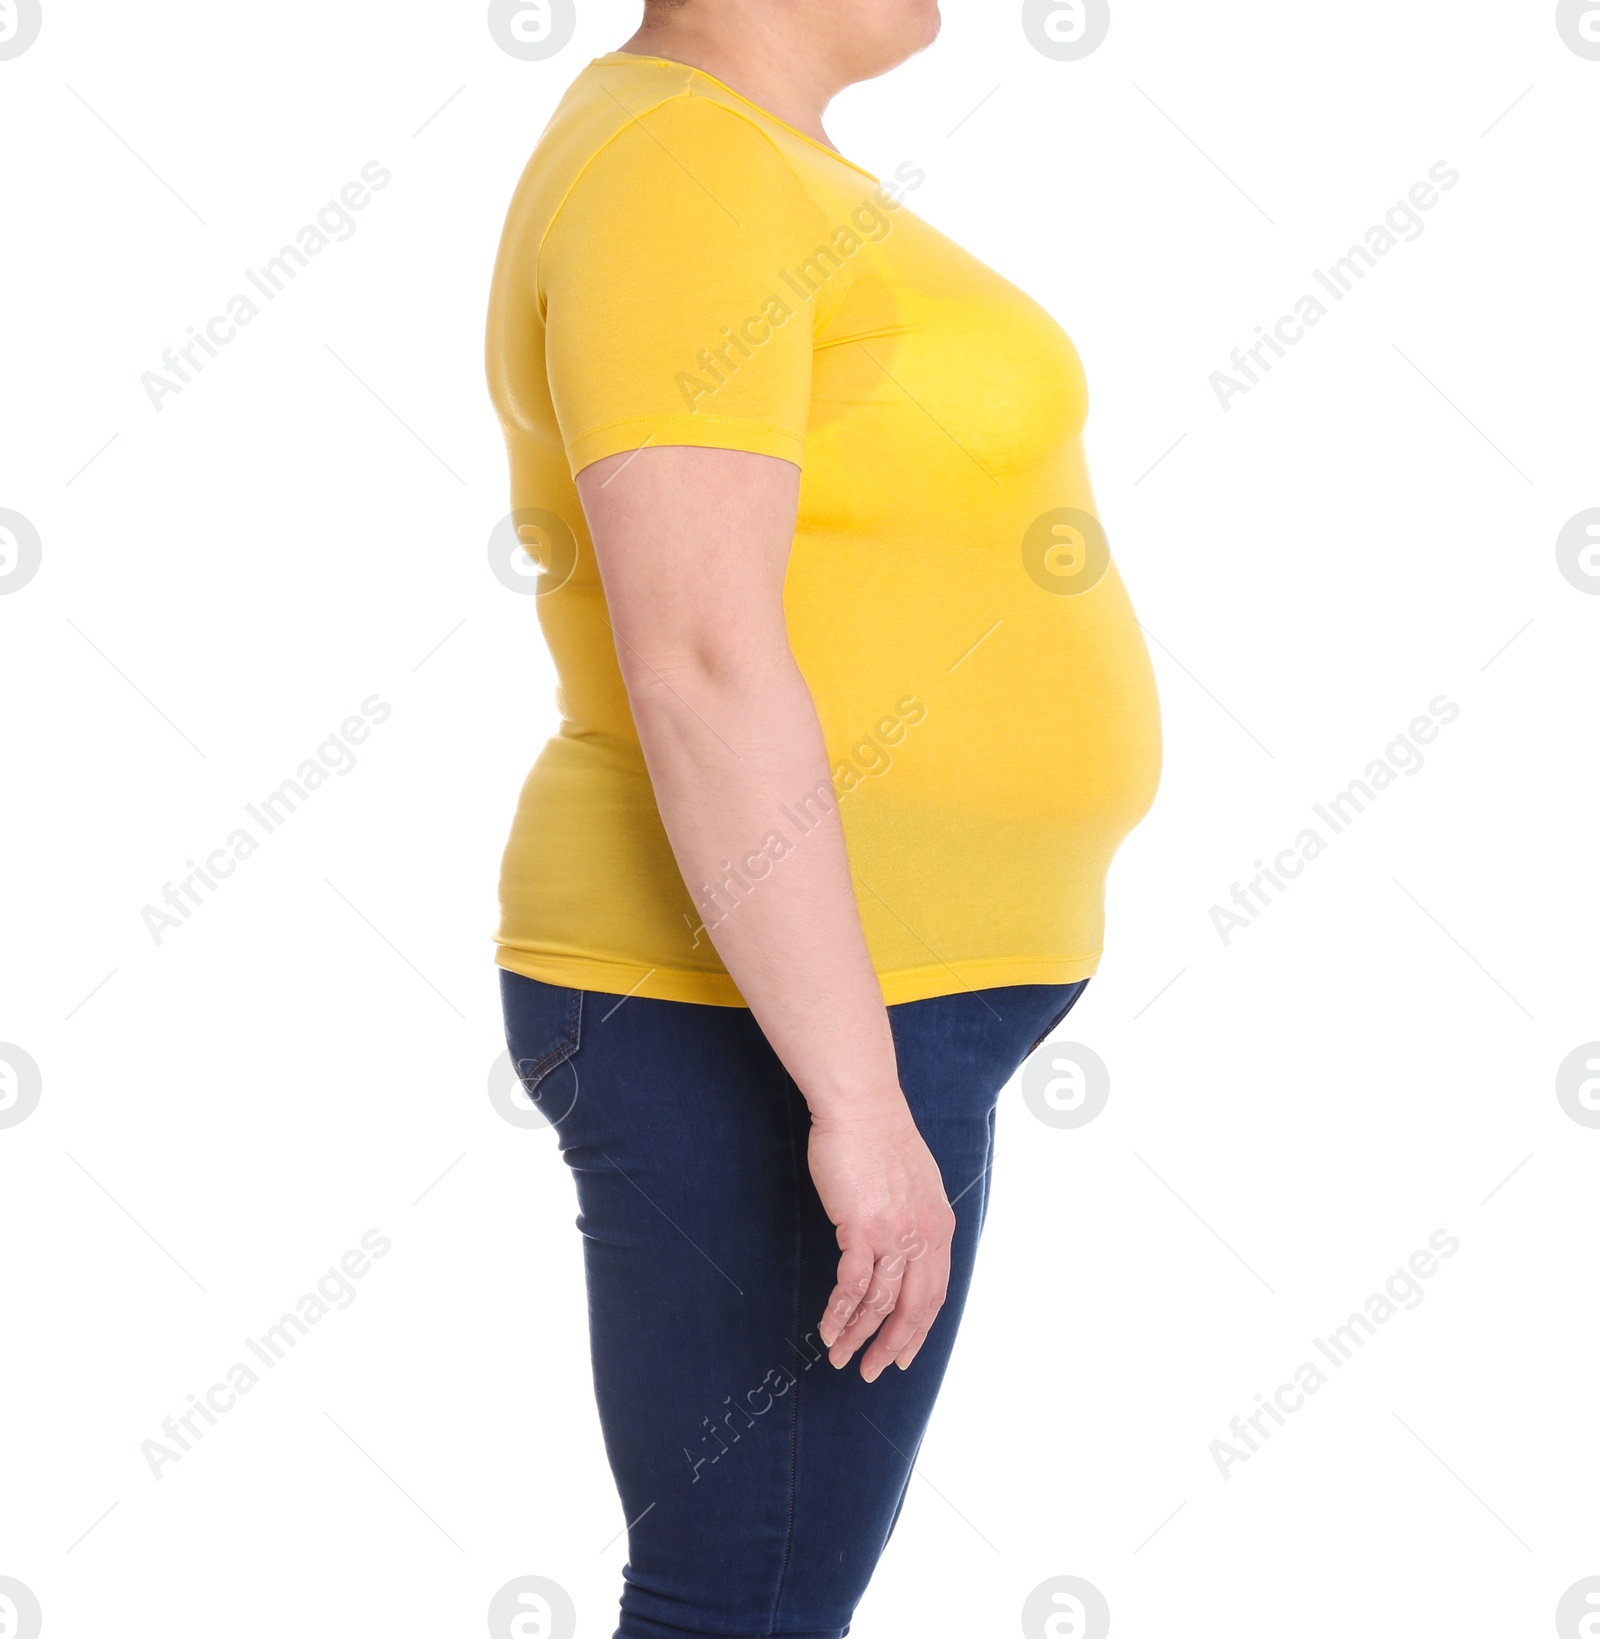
(766, 113)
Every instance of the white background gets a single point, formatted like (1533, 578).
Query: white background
(306, 1057)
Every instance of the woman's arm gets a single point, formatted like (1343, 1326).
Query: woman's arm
(693, 545)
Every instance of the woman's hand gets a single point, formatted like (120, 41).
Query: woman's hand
(880, 1185)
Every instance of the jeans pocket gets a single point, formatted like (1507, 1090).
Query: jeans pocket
(1072, 993)
(544, 1029)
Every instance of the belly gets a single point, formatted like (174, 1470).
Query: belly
(951, 668)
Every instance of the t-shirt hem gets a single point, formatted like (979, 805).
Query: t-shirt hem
(718, 989)
(717, 432)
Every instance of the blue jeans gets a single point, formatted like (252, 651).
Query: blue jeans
(761, 1484)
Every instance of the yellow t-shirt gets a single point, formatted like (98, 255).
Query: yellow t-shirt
(680, 267)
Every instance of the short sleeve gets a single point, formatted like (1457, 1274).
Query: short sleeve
(677, 307)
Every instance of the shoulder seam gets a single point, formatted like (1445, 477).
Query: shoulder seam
(688, 90)
(578, 176)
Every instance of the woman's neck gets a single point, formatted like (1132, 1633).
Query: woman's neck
(755, 58)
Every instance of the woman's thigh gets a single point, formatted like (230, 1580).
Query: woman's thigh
(760, 1484)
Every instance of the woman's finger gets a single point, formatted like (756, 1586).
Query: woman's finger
(914, 1347)
(878, 1303)
(921, 1295)
(854, 1282)
(911, 1350)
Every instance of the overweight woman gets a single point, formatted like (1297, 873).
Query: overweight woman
(854, 714)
